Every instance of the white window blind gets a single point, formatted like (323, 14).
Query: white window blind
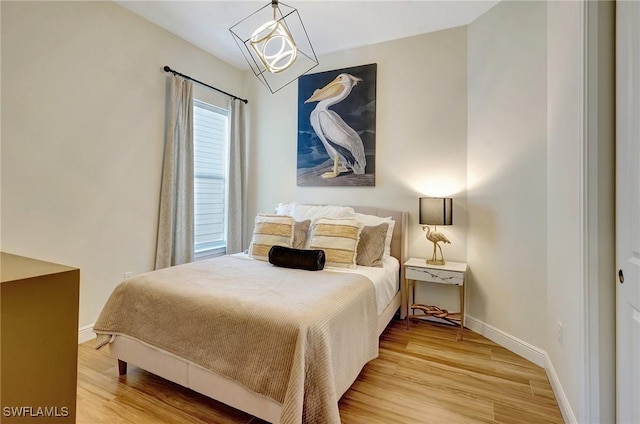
(210, 138)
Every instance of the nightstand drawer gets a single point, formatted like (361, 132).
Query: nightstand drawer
(434, 275)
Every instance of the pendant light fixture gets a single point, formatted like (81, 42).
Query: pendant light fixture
(274, 42)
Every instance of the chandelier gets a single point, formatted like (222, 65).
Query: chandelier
(275, 44)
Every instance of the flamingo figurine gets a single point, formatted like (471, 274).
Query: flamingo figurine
(435, 237)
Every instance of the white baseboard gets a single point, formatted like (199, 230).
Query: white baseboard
(515, 345)
(529, 352)
(561, 397)
(86, 333)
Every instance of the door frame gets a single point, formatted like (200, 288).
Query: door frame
(597, 220)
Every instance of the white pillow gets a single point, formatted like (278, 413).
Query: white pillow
(372, 221)
(338, 238)
(284, 208)
(303, 212)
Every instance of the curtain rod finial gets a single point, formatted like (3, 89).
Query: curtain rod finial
(166, 68)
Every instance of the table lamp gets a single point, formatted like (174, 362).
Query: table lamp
(436, 211)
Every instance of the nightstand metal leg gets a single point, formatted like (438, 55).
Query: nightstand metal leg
(407, 283)
(413, 297)
(462, 311)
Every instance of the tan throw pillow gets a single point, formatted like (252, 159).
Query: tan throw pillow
(300, 230)
(338, 238)
(372, 220)
(371, 245)
(270, 230)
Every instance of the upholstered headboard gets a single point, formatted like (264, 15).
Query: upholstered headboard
(399, 240)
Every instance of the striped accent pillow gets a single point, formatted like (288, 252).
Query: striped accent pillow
(270, 230)
(338, 238)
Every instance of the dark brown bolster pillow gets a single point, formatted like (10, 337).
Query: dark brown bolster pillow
(311, 260)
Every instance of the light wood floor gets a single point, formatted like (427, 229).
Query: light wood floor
(421, 376)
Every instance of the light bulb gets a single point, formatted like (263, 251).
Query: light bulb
(274, 46)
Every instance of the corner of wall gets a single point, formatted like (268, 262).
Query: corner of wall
(85, 333)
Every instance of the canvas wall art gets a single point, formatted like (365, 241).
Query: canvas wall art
(337, 127)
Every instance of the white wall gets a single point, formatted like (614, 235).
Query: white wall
(420, 134)
(564, 155)
(506, 174)
(83, 104)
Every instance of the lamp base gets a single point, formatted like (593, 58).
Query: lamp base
(435, 261)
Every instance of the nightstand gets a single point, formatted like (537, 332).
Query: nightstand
(417, 270)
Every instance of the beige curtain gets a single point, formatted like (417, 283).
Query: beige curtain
(237, 210)
(175, 223)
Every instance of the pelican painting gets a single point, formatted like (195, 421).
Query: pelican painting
(339, 139)
(336, 127)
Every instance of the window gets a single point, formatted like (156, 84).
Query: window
(210, 141)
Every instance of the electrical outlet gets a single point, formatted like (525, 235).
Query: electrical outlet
(128, 275)
(559, 330)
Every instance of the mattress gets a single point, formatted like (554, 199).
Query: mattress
(385, 279)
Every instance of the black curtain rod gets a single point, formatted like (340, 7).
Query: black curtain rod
(167, 69)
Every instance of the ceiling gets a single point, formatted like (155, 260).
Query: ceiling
(331, 25)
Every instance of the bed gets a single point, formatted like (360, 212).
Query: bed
(315, 352)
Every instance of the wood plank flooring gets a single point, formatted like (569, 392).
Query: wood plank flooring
(421, 376)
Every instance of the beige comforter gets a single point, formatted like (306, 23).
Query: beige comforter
(298, 337)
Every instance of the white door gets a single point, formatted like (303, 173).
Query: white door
(628, 210)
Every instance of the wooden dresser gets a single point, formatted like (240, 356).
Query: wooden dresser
(39, 340)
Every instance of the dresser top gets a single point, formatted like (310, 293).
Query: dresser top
(14, 267)
(448, 266)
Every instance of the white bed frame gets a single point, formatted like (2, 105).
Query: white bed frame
(183, 372)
